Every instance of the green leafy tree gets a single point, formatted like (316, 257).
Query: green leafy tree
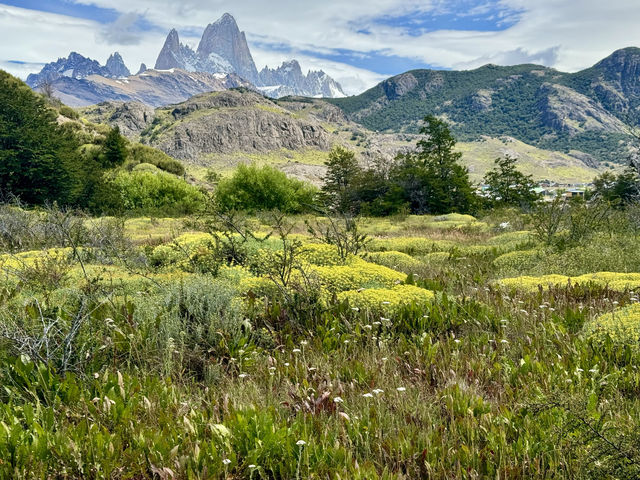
(114, 152)
(431, 178)
(507, 186)
(342, 174)
(620, 190)
(39, 160)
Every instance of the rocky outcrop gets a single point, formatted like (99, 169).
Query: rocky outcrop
(130, 117)
(232, 121)
(75, 66)
(223, 39)
(223, 48)
(116, 67)
(288, 79)
(565, 110)
(400, 85)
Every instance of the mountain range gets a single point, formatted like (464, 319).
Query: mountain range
(589, 113)
(223, 53)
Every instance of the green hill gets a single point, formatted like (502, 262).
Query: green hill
(589, 111)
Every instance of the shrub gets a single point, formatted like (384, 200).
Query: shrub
(161, 192)
(622, 326)
(410, 245)
(396, 260)
(618, 282)
(516, 262)
(531, 284)
(387, 300)
(359, 274)
(139, 154)
(69, 112)
(252, 188)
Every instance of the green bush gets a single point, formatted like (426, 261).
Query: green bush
(252, 188)
(139, 153)
(160, 192)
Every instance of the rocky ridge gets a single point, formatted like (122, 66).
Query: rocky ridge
(223, 48)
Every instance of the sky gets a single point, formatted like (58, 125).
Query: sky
(359, 43)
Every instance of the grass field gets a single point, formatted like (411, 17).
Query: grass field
(446, 347)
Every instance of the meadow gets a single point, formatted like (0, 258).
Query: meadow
(272, 346)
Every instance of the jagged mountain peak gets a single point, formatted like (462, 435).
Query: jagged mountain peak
(223, 39)
(115, 65)
(78, 67)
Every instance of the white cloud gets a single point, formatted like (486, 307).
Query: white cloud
(565, 34)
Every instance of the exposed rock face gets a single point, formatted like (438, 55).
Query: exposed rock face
(131, 117)
(229, 122)
(622, 70)
(176, 55)
(116, 67)
(142, 69)
(399, 86)
(74, 66)
(223, 48)
(566, 110)
(224, 39)
(288, 79)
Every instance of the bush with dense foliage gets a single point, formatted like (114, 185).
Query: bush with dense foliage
(155, 192)
(252, 188)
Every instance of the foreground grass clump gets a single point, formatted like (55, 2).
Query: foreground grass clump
(180, 348)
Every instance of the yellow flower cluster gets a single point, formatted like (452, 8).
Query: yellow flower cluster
(180, 250)
(615, 281)
(410, 245)
(623, 326)
(395, 260)
(388, 300)
(360, 274)
(323, 255)
(17, 261)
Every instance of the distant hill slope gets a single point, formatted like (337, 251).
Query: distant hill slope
(223, 129)
(588, 111)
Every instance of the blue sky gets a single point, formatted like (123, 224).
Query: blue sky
(359, 43)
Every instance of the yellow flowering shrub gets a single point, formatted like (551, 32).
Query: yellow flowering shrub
(410, 245)
(28, 259)
(395, 260)
(359, 274)
(322, 254)
(122, 280)
(180, 250)
(531, 284)
(623, 326)
(615, 281)
(388, 300)
(259, 286)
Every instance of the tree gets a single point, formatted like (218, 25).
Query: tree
(431, 177)
(506, 185)
(619, 190)
(339, 181)
(114, 151)
(39, 160)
